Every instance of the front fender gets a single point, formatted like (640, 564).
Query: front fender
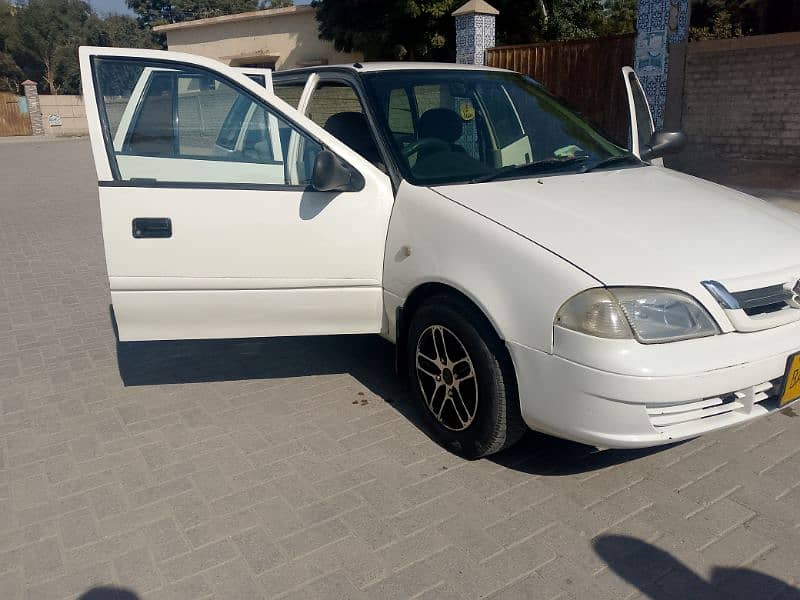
(517, 284)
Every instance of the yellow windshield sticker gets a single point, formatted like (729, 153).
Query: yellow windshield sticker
(467, 111)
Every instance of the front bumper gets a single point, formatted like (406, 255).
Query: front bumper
(695, 393)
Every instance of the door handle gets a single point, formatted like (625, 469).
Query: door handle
(150, 227)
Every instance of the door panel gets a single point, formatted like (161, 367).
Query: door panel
(206, 314)
(241, 233)
(253, 251)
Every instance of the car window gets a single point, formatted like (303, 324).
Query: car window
(398, 113)
(438, 105)
(336, 107)
(154, 133)
(330, 98)
(184, 124)
(472, 125)
(502, 115)
(289, 92)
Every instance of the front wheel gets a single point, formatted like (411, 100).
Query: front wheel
(461, 374)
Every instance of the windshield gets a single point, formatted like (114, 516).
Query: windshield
(453, 126)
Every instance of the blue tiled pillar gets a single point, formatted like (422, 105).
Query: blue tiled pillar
(659, 23)
(475, 31)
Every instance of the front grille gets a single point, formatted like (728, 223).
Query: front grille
(763, 395)
(758, 309)
(764, 300)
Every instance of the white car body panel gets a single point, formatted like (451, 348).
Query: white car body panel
(645, 226)
(455, 245)
(248, 261)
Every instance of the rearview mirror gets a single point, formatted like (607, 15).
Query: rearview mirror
(331, 174)
(663, 143)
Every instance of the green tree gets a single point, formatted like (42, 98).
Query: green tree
(10, 74)
(156, 12)
(424, 29)
(39, 40)
(122, 31)
(726, 18)
(279, 3)
(391, 29)
(50, 32)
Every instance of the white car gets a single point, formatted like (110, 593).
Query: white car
(530, 271)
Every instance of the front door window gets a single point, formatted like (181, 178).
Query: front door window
(183, 124)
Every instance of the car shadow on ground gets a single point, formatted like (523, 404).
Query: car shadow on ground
(367, 358)
(660, 576)
(108, 593)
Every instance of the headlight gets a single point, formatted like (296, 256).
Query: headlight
(650, 315)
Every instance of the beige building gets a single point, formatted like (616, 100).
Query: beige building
(278, 38)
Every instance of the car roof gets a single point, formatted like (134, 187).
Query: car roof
(374, 67)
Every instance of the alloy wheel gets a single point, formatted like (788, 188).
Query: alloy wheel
(446, 378)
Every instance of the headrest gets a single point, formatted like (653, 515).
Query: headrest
(441, 123)
(352, 129)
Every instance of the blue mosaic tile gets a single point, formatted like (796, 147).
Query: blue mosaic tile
(658, 22)
(474, 35)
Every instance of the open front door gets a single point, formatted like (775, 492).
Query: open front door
(209, 232)
(642, 127)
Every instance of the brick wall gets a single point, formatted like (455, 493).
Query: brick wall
(741, 110)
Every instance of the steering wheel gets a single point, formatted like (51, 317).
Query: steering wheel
(433, 144)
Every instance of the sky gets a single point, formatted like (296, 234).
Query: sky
(104, 7)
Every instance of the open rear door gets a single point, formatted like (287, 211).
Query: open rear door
(641, 118)
(262, 77)
(210, 231)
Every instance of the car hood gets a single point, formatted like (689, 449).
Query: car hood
(646, 226)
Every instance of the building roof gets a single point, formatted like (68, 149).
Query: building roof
(476, 7)
(270, 13)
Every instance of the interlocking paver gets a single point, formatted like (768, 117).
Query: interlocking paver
(296, 468)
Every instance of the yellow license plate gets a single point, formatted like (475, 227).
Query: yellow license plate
(791, 383)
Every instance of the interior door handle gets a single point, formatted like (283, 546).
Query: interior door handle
(150, 227)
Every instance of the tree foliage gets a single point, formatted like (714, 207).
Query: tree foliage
(10, 73)
(50, 32)
(393, 29)
(722, 18)
(424, 29)
(150, 13)
(734, 18)
(39, 40)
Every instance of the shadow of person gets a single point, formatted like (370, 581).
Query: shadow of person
(109, 593)
(660, 576)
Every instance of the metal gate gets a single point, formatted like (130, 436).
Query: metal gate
(14, 117)
(585, 73)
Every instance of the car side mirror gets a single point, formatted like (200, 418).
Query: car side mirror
(331, 174)
(663, 143)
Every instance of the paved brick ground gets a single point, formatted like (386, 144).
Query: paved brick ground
(297, 469)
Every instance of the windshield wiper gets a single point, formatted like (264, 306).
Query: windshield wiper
(541, 166)
(611, 160)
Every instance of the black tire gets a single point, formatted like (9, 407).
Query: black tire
(497, 423)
